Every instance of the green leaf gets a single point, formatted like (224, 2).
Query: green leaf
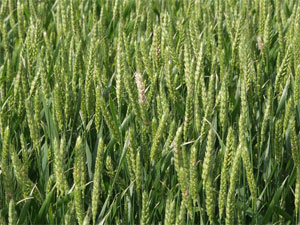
(272, 205)
(43, 210)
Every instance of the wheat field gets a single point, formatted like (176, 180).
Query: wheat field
(149, 112)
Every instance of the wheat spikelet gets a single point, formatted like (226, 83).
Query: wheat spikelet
(63, 15)
(77, 174)
(156, 47)
(210, 200)
(120, 68)
(281, 74)
(189, 78)
(58, 102)
(5, 39)
(177, 149)
(180, 218)
(297, 191)
(131, 153)
(287, 114)
(171, 132)
(267, 32)
(297, 84)
(154, 152)
(12, 214)
(131, 89)
(224, 102)
(193, 174)
(5, 159)
(249, 173)
(37, 110)
(70, 214)
(169, 78)
(51, 181)
(294, 140)
(22, 178)
(209, 107)
(142, 98)
(278, 138)
(138, 171)
(145, 209)
(89, 82)
(227, 162)
(97, 179)
(266, 117)
(170, 212)
(199, 82)
(59, 158)
(207, 163)
(230, 206)
(20, 18)
(146, 58)
(183, 181)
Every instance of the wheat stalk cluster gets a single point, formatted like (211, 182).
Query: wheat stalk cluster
(149, 112)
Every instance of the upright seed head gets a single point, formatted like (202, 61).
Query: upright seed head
(78, 172)
(97, 179)
(145, 209)
(230, 204)
(170, 212)
(207, 164)
(12, 214)
(177, 149)
(138, 171)
(180, 218)
(193, 174)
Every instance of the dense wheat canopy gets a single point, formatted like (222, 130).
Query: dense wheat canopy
(149, 112)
